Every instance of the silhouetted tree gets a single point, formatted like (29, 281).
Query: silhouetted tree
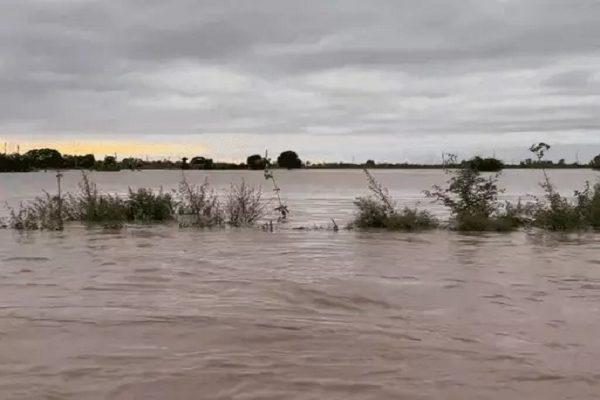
(44, 158)
(108, 164)
(289, 159)
(370, 164)
(485, 164)
(256, 161)
(184, 164)
(201, 163)
(595, 163)
(131, 163)
(14, 163)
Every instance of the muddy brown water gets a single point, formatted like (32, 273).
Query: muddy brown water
(158, 312)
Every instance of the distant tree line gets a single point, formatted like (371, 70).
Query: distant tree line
(46, 158)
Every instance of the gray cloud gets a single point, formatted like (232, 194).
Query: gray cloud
(386, 71)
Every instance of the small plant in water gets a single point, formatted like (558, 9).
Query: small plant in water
(379, 211)
(198, 205)
(243, 205)
(281, 208)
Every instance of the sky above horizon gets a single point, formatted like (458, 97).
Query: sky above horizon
(394, 80)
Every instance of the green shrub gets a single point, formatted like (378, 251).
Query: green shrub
(92, 207)
(473, 201)
(379, 211)
(44, 212)
(198, 205)
(243, 205)
(593, 208)
(555, 212)
(144, 205)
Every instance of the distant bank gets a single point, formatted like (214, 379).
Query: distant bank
(46, 158)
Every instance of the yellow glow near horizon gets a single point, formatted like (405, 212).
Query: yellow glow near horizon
(123, 148)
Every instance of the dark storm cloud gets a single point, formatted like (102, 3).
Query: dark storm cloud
(398, 68)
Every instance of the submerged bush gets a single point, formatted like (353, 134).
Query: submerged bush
(198, 205)
(144, 205)
(379, 211)
(92, 207)
(44, 212)
(555, 212)
(243, 205)
(473, 201)
(591, 207)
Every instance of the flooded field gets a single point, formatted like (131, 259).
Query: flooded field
(158, 312)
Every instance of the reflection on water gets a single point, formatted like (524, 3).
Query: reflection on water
(156, 312)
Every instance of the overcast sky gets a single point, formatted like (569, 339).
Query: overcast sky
(391, 80)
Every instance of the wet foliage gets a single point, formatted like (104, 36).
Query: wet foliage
(473, 201)
(379, 211)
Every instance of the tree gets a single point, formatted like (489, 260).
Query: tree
(595, 163)
(184, 164)
(370, 164)
(201, 163)
(256, 161)
(87, 161)
(484, 164)
(289, 159)
(13, 163)
(44, 158)
(108, 164)
(131, 163)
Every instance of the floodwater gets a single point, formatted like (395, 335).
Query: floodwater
(158, 312)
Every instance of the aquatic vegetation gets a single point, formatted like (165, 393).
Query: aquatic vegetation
(473, 200)
(243, 205)
(89, 206)
(555, 212)
(144, 205)
(379, 211)
(281, 208)
(43, 212)
(198, 205)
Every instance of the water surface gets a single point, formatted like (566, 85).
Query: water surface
(157, 312)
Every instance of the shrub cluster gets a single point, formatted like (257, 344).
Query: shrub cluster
(380, 211)
(473, 201)
(190, 205)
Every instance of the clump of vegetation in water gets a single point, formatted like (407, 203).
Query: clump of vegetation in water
(190, 205)
(473, 201)
(555, 212)
(379, 211)
(90, 206)
(144, 205)
(44, 213)
(243, 205)
(198, 205)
